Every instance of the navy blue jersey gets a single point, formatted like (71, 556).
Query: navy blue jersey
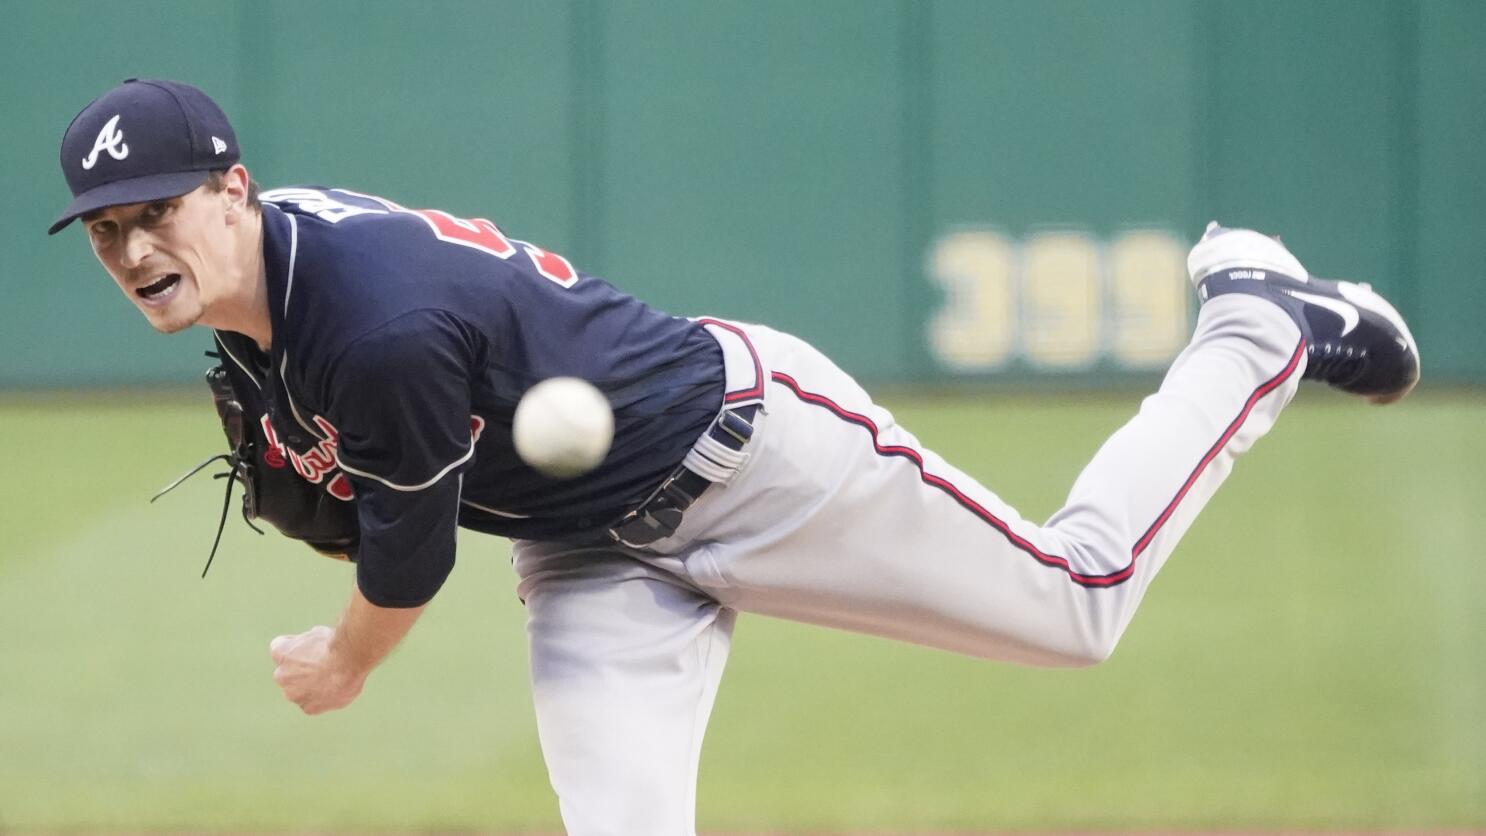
(402, 342)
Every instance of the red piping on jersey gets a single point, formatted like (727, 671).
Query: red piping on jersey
(757, 390)
(1113, 578)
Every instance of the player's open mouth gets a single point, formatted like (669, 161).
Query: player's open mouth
(160, 290)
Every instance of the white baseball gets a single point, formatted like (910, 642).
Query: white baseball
(563, 427)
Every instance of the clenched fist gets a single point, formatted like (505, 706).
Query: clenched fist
(311, 674)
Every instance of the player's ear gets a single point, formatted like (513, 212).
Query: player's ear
(235, 186)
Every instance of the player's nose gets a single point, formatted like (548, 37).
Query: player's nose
(137, 247)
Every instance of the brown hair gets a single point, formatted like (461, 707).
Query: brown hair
(216, 181)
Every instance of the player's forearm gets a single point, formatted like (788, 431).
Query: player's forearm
(367, 633)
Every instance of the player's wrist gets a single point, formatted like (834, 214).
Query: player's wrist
(345, 661)
(366, 634)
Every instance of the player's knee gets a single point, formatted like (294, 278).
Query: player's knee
(1094, 653)
(1094, 642)
(1072, 648)
(1097, 615)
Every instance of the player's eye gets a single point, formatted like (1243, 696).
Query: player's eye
(155, 211)
(102, 230)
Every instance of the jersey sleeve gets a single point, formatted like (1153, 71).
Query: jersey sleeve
(400, 399)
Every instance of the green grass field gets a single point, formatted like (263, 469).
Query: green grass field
(1311, 658)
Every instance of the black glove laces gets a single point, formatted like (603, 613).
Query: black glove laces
(234, 463)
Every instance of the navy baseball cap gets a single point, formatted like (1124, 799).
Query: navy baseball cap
(145, 140)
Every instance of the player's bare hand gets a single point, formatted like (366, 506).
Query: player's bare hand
(310, 674)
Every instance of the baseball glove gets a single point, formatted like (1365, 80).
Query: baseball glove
(273, 491)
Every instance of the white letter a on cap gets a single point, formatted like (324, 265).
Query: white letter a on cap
(110, 139)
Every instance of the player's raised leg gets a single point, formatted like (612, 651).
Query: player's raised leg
(874, 533)
(625, 662)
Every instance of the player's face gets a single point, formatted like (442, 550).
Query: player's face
(170, 257)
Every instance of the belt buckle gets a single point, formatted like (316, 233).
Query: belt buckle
(655, 523)
(659, 515)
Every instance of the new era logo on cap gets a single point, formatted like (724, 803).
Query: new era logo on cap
(144, 140)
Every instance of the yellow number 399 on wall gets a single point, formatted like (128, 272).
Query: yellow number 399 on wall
(1059, 300)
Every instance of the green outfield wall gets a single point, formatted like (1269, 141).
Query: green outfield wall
(930, 191)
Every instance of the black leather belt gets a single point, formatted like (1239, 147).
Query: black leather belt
(660, 514)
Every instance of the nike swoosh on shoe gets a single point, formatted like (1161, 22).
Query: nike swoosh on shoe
(1345, 310)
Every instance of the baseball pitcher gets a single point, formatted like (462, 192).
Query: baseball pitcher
(373, 355)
